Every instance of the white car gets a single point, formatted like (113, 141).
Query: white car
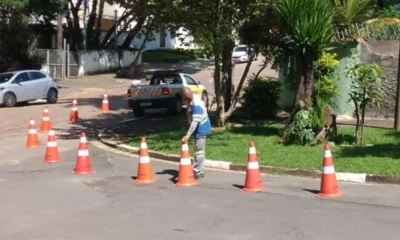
(241, 54)
(27, 85)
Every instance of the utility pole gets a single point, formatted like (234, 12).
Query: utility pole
(59, 31)
(397, 108)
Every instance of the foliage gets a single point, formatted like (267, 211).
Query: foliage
(390, 12)
(260, 98)
(300, 131)
(167, 55)
(307, 24)
(366, 88)
(348, 12)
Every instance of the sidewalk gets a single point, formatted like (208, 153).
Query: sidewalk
(384, 123)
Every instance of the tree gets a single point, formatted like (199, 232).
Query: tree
(366, 88)
(19, 37)
(308, 30)
(217, 24)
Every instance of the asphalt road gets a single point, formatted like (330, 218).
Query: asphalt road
(48, 202)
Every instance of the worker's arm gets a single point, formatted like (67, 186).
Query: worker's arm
(196, 118)
(193, 126)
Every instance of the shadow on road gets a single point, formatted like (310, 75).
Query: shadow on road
(172, 172)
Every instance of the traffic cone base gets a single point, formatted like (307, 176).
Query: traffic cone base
(253, 181)
(329, 185)
(145, 172)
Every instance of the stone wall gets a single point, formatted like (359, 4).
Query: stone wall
(386, 55)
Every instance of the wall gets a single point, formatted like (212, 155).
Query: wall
(93, 62)
(386, 55)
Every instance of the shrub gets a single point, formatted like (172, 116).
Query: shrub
(300, 131)
(260, 98)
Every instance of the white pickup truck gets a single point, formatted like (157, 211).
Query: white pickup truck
(164, 91)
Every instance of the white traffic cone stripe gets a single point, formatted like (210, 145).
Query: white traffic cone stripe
(74, 109)
(51, 133)
(328, 154)
(31, 122)
(185, 161)
(328, 170)
(105, 101)
(52, 144)
(144, 159)
(46, 118)
(252, 150)
(83, 153)
(143, 145)
(185, 147)
(252, 165)
(32, 131)
(83, 140)
(46, 110)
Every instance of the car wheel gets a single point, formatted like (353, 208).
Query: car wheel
(176, 106)
(9, 100)
(52, 96)
(138, 112)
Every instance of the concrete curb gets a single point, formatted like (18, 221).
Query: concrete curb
(270, 170)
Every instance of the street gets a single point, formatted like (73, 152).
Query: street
(47, 201)
(42, 201)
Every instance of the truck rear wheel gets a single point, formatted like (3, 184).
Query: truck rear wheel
(176, 106)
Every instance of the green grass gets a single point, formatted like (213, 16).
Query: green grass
(232, 145)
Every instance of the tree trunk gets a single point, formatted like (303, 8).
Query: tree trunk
(133, 33)
(131, 72)
(227, 72)
(59, 31)
(119, 33)
(90, 31)
(219, 96)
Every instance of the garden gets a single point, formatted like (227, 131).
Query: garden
(299, 41)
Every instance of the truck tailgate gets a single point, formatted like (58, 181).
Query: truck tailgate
(146, 91)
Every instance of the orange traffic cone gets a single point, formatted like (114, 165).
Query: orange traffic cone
(104, 105)
(185, 175)
(52, 155)
(73, 116)
(33, 140)
(329, 186)
(46, 125)
(83, 165)
(253, 176)
(145, 171)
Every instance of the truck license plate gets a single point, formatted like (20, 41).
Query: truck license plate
(145, 104)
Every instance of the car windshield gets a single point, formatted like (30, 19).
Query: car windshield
(5, 77)
(241, 49)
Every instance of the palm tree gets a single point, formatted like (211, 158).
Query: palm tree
(308, 29)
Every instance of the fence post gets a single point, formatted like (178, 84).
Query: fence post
(67, 65)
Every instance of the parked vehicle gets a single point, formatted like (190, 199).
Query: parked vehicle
(27, 85)
(165, 90)
(241, 53)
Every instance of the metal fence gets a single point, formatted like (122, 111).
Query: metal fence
(59, 63)
(370, 32)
